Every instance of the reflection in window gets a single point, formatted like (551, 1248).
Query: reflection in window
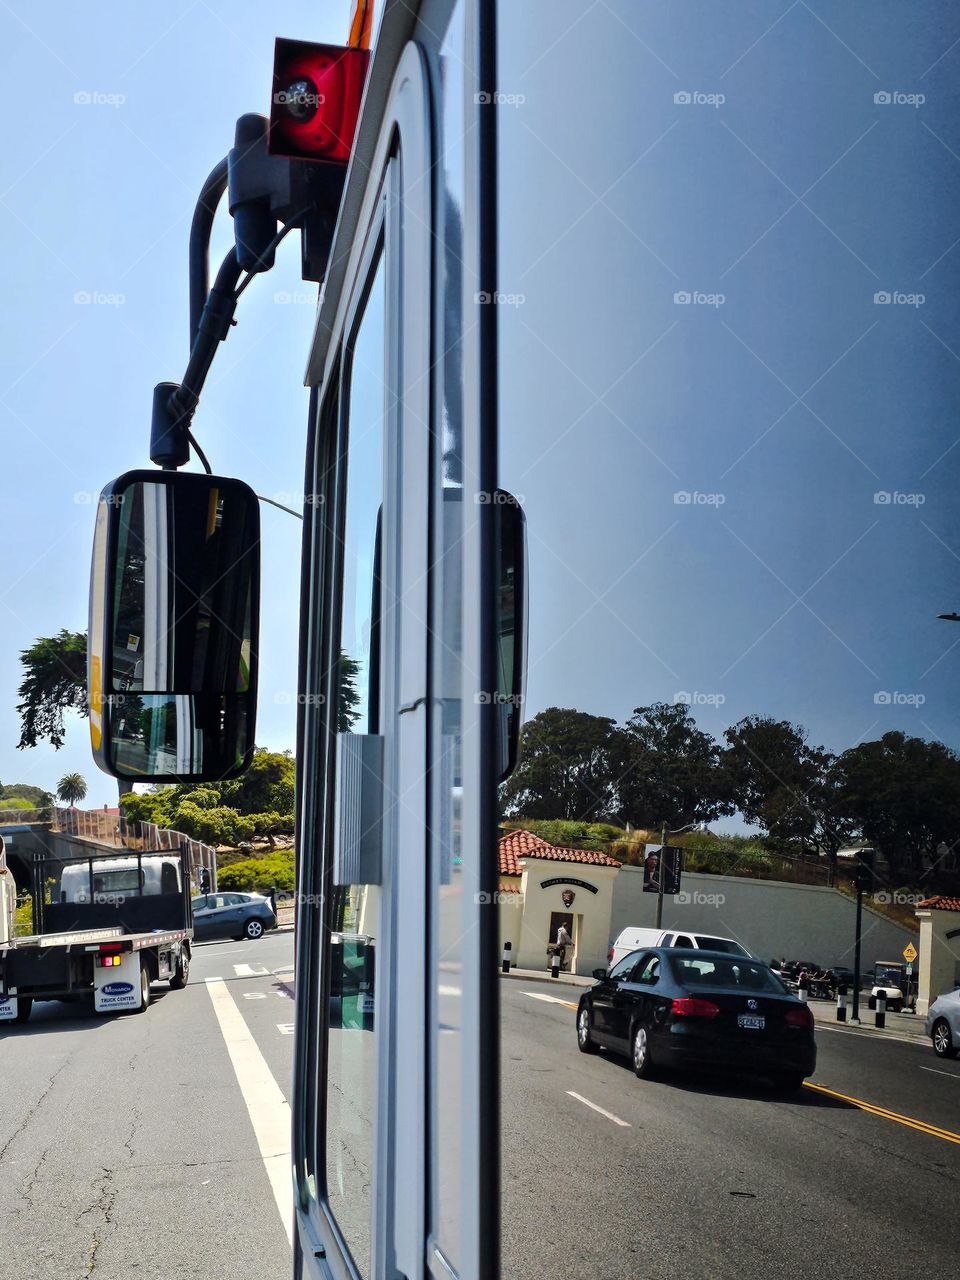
(353, 909)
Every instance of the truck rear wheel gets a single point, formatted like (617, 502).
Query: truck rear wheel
(181, 972)
(24, 1008)
(144, 988)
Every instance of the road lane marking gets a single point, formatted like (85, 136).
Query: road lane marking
(249, 971)
(286, 1028)
(951, 1074)
(268, 1109)
(593, 1106)
(911, 1122)
(871, 1035)
(540, 995)
(254, 995)
(449, 991)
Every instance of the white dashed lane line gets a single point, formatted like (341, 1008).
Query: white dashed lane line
(624, 1124)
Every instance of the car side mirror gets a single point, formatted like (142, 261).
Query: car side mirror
(600, 974)
(174, 619)
(511, 626)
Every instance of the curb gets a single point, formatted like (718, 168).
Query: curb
(564, 980)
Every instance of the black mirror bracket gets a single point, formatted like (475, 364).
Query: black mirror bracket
(264, 190)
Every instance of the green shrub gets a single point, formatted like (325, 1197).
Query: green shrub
(259, 875)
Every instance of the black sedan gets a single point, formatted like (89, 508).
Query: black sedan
(673, 1007)
(232, 915)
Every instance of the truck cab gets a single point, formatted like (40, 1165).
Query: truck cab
(118, 879)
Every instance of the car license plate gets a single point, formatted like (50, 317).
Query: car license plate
(751, 1022)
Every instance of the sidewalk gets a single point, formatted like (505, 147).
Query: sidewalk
(543, 975)
(899, 1026)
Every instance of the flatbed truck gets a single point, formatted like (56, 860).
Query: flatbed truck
(106, 926)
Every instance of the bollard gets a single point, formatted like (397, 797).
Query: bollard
(555, 965)
(881, 1019)
(841, 1004)
(507, 956)
(802, 992)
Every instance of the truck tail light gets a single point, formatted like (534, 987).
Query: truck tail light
(316, 100)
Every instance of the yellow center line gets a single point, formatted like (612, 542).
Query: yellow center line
(911, 1122)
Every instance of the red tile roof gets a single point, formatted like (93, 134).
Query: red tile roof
(524, 844)
(941, 903)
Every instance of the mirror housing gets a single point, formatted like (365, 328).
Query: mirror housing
(511, 627)
(600, 974)
(174, 618)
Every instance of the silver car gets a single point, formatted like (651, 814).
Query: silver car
(943, 1024)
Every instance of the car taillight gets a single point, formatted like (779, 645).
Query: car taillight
(800, 1017)
(610, 958)
(694, 1007)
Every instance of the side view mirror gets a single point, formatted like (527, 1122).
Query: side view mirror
(600, 974)
(174, 619)
(511, 626)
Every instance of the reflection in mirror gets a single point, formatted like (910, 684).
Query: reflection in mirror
(173, 620)
(511, 606)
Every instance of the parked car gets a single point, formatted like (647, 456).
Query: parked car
(232, 915)
(632, 939)
(672, 1007)
(943, 1025)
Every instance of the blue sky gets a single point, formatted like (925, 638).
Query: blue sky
(113, 117)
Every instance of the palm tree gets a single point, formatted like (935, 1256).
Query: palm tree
(71, 788)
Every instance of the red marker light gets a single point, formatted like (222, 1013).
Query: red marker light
(801, 1017)
(316, 100)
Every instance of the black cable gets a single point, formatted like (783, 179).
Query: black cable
(199, 452)
(200, 231)
(284, 230)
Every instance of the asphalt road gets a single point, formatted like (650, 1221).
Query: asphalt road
(127, 1151)
(718, 1178)
(126, 1148)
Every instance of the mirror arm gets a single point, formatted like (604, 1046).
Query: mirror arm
(200, 232)
(175, 404)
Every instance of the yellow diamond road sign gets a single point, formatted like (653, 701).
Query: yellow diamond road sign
(909, 953)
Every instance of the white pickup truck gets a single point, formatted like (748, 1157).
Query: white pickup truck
(106, 926)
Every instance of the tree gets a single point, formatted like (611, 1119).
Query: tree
(903, 794)
(666, 769)
(55, 681)
(564, 768)
(71, 788)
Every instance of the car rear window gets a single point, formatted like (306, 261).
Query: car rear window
(735, 974)
(707, 943)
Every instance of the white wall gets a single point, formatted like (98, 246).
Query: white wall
(528, 929)
(769, 917)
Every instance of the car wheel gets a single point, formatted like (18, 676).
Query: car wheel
(584, 1039)
(788, 1081)
(254, 929)
(640, 1052)
(181, 973)
(943, 1045)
